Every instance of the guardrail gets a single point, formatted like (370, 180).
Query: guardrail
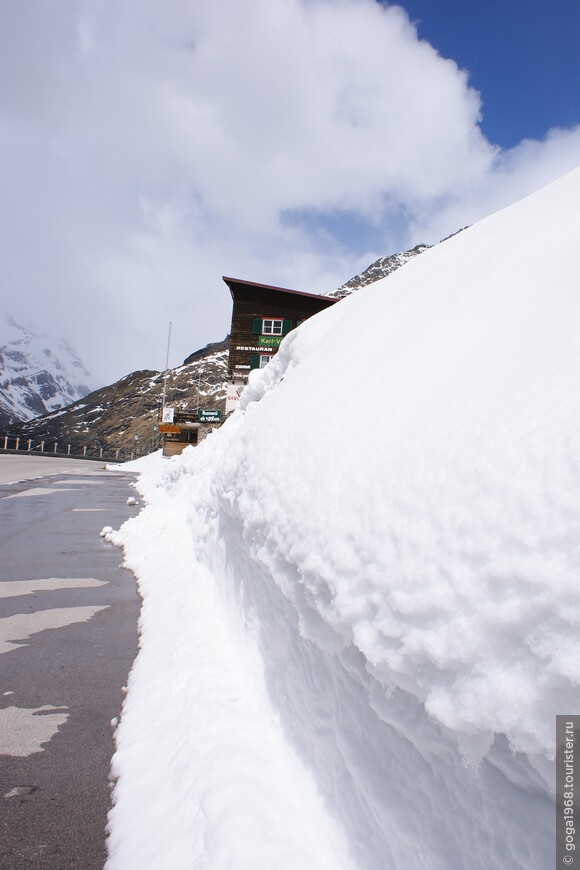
(21, 444)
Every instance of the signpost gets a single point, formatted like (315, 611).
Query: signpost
(165, 375)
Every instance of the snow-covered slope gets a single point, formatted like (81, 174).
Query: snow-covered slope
(38, 374)
(361, 617)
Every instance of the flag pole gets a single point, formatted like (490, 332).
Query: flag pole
(166, 367)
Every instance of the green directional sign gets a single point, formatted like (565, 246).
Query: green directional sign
(213, 416)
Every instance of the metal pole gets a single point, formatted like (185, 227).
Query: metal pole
(198, 388)
(166, 367)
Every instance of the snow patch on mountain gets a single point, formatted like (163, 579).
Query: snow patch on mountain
(38, 374)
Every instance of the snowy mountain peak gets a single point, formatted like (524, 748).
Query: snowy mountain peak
(377, 270)
(38, 374)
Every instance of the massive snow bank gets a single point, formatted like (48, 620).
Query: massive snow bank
(388, 531)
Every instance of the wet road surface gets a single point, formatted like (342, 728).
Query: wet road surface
(68, 637)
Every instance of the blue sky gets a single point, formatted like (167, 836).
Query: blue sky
(147, 148)
(522, 55)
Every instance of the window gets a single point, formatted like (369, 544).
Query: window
(259, 360)
(272, 327)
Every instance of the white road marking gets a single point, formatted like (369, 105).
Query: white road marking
(23, 731)
(36, 491)
(22, 626)
(21, 791)
(88, 510)
(17, 468)
(79, 482)
(12, 588)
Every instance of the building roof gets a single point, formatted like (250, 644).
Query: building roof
(232, 282)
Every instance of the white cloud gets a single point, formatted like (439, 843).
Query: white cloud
(148, 148)
(513, 175)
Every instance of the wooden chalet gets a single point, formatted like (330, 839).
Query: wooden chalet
(261, 316)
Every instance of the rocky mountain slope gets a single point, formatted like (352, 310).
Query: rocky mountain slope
(124, 415)
(37, 374)
(111, 417)
(377, 270)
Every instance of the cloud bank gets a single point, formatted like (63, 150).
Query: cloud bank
(146, 149)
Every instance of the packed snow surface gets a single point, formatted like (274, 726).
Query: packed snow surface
(361, 597)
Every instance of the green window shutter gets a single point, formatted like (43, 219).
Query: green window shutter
(257, 327)
(286, 327)
(255, 360)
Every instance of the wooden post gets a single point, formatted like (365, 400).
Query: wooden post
(29, 445)
(55, 446)
(85, 450)
(17, 441)
(68, 449)
(42, 446)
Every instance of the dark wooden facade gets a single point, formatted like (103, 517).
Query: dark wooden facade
(262, 315)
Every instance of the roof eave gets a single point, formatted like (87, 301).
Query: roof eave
(230, 281)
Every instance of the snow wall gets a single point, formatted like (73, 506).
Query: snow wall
(360, 596)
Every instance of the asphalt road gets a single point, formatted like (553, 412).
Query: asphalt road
(68, 637)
